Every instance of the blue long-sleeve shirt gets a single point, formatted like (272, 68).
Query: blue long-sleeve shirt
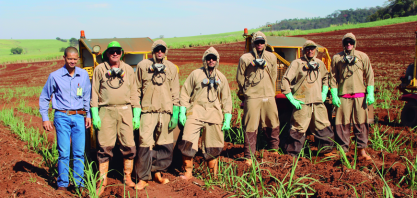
(63, 90)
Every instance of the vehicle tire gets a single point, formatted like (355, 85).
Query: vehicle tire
(409, 114)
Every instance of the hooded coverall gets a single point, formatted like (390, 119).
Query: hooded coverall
(258, 87)
(306, 83)
(349, 79)
(158, 93)
(115, 104)
(205, 109)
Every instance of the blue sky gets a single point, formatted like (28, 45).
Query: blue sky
(107, 19)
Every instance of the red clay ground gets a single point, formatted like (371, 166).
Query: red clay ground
(390, 49)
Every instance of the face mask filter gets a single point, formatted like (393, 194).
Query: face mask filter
(157, 68)
(116, 72)
(212, 82)
(312, 65)
(259, 62)
(350, 59)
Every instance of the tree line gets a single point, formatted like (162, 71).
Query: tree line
(338, 17)
(394, 9)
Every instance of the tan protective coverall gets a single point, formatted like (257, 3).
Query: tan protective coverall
(306, 84)
(258, 86)
(205, 109)
(349, 79)
(158, 93)
(115, 110)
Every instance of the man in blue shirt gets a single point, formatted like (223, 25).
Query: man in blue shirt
(69, 88)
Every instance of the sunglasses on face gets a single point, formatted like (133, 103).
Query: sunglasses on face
(259, 42)
(310, 48)
(346, 42)
(117, 51)
(162, 49)
(211, 57)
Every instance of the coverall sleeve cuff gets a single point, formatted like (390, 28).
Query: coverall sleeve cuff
(285, 92)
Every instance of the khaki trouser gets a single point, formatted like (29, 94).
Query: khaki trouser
(313, 116)
(116, 123)
(262, 111)
(156, 145)
(352, 110)
(212, 140)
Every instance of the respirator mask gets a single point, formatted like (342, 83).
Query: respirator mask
(158, 68)
(116, 72)
(349, 59)
(212, 82)
(259, 62)
(312, 65)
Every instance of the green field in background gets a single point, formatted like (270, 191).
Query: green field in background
(33, 49)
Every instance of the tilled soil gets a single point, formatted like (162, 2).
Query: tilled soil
(22, 173)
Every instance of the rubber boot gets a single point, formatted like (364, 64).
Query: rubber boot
(362, 153)
(158, 178)
(141, 185)
(213, 166)
(104, 168)
(188, 168)
(128, 167)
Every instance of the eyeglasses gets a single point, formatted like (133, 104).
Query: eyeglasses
(162, 49)
(211, 57)
(346, 42)
(259, 42)
(310, 48)
(117, 51)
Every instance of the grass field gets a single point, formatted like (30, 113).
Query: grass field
(33, 49)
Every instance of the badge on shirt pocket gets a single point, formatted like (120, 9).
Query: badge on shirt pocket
(79, 91)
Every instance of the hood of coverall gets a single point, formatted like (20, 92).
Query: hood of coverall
(157, 44)
(309, 43)
(256, 36)
(209, 51)
(351, 36)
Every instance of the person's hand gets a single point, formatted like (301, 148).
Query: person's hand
(87, 123)
(174, 119)
(370, 99)
(183, 117)
(47, 125)
(226, 123)
(335, 98)
(96, 118)
(136, 118)
(297, 103)
(324, 93)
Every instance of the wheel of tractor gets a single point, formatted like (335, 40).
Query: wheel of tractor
(409, 114)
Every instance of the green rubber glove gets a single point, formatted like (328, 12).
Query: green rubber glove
(370, 99)
(296, 103)
(335, 97)
(136, 118)
(226, 123)
(174, 119)
(96, 118)
(183, 117)
(324, 93)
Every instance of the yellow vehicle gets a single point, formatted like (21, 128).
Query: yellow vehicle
(135, 50)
